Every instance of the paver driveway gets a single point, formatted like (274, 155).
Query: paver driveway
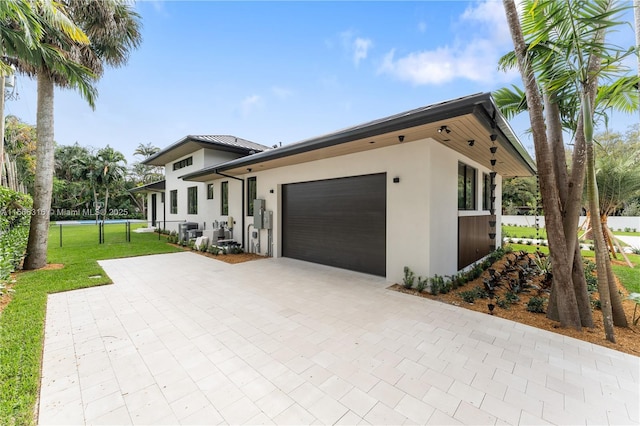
(180, 338)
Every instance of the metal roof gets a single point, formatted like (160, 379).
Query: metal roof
(191, 143)
(480, 105)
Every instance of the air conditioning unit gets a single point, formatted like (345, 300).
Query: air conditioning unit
(184, 228)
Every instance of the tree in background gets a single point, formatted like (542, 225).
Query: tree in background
(519, 192)
(110, 173)
(618, 176)
(20, 160)
(143, 174)
(70, 189)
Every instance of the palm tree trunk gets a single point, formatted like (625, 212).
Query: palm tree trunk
(570, 209)
(106, 203)
(567, 304)
(43, 185)
(602, 254)
(607, 238)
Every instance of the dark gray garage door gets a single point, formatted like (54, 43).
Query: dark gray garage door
(337, 222)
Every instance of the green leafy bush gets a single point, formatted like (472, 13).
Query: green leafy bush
(468, 296)
(422, 284)
(409, 278)
(536, 305)
(15, 214)
(437, 284)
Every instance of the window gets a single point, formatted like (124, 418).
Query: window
(162, 197)
(224, 198)
(192, 200)
(466, 187)
(183, 163)
(173, 201)
(486, 192)
(210, 191)
(252, 191)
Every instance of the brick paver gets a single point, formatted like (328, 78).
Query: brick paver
(184, 339)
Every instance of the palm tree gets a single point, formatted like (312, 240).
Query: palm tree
(113, 29)
(111, 170)
(146, 150)
(22, 25)
(89, 170)
(618, 177)
(560, 61)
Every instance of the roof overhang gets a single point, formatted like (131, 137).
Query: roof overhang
(189, 145)
(474, 117)
(158, 186)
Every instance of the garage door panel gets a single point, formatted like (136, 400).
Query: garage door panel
(337, 222)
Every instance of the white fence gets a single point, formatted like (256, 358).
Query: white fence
(615, 222)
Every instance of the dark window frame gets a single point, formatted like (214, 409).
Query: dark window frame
(192, 200)
(252, 193)
(467, 184)
(224, 198)
(173, 201)
(210, 191)
(186, 162)
(486, 191)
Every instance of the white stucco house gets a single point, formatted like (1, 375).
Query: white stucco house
(420, 189)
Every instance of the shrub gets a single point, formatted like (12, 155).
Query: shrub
(447, 286)
(502, 303)
(590, 276)
(14, 230)
(468, 296)
(481, 293)
(511, 297)
(409, 278)
(536, 305)
(437, 283)
(422, 284)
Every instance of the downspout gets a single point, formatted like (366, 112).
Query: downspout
(242, 213)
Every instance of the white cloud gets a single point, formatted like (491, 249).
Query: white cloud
(281, 92)
(361, 47)
(357, 47)
(482, 37)
(489, 14)
(422, 26)
(250, 103)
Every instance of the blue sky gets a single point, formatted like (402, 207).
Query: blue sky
(276, 72)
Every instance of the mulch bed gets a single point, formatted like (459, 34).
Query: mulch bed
(627, 339)
(227, 258)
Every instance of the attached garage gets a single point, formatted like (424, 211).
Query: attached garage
(337, 222)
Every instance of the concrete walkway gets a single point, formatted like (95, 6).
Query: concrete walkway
(183, 339)
(634, 242)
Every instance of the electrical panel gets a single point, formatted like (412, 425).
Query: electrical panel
(268, 220)
(258, 213)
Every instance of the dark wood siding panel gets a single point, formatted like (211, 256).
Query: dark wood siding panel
(337, 222)
(473, 239)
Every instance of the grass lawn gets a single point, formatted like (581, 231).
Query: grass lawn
(522, 232)
(22, 321)
(629, 277)
(509, 231)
